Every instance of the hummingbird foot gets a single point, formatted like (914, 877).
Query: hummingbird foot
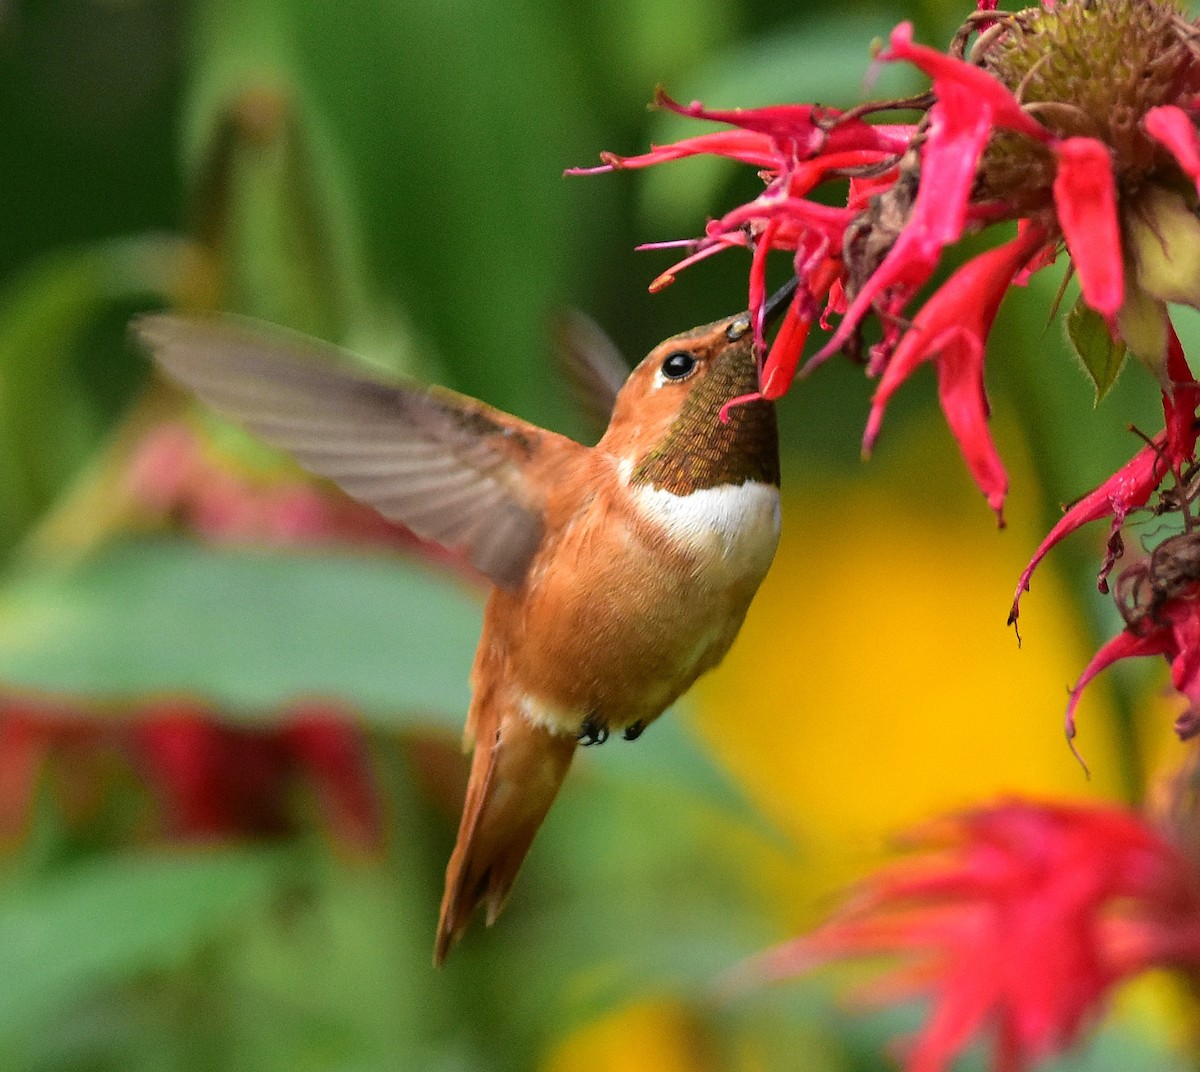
(634, 731)
(592, 732)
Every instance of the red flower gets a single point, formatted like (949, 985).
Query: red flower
(1016, 922)
(215, 780)
(969, 106)
(31, 736)
(1018, 128)
(1131, 486)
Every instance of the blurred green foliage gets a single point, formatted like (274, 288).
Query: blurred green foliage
(385, 174)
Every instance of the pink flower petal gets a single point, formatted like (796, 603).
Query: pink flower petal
(1125, 645)
(1173, 127)
(1128, 488)
(951, 329)
(827, 220)
(706, 248)
(1090, 894)
(1085, 197)
(972, 83)
(1180, 403)
(803, 129)
(970, 104)
(747, 147)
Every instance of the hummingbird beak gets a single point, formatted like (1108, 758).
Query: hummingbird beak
(775, 306)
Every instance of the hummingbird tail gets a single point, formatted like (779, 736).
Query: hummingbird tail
(514, 779)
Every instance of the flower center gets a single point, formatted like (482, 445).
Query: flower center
(1089, 68)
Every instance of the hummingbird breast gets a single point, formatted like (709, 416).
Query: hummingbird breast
(636, 595)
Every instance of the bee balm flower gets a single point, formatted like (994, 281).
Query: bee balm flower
(1076, 121)
(1016, 922)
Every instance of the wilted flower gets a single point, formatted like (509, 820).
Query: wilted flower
(1076, 121)
(1159, 598)
(1016, 922)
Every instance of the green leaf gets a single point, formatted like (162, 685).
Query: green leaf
(1102, 356)
(245, 630)
(105, 922)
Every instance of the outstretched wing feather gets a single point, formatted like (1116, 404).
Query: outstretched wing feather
(445, 465)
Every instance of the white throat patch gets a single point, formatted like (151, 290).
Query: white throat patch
(739, 521)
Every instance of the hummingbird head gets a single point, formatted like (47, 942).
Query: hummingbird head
(667, 419)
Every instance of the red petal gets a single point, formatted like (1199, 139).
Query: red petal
(1184, 617)
(978, 90)
(964, 403)
(1125, 645)
(748, 147)
(780, 367)
(952, 328)
(818, 272)
(969, 300)
(334, 754)
(804, 129)
(1085, 197)
(1173, 127)
(959, 126)
(180, 749)
(809, 173)
(1128, 488)
(26, 741)
(758, 281)
(1180, 403)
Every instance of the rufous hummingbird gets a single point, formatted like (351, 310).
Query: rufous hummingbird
(621, 572)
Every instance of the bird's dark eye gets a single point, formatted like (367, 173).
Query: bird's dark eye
(678, 365)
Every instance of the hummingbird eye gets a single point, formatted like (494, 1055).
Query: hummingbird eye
(678, 365)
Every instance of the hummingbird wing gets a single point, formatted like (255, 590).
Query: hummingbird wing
(593, 366)
(450, 468)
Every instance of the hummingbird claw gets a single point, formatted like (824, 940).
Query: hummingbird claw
(634, 731)
(592, 732)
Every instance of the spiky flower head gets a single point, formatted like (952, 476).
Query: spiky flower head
(1016, 922)
(1076, 120)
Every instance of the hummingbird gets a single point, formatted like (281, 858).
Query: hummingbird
(621, 572)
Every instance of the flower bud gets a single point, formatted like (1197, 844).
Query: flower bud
(1164, 242)
(1142, 323)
